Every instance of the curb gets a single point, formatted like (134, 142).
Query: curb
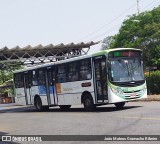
(150, 98)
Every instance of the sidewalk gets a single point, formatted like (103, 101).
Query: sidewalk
(10, 106)
(152, 98)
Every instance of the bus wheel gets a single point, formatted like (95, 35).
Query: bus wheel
(88, 103)
(120, 105)
(65, 107)
(45, 108)
(38, 104)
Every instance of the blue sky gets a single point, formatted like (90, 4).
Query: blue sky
(34, 22)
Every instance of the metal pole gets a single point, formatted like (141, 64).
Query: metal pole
(138, 7)
(149, 86)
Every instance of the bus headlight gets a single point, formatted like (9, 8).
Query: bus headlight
(117, 91)
(114, 90)
(145, 87)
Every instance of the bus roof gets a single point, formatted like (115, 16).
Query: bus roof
(113, 49)
(53, 63)
(102, 52)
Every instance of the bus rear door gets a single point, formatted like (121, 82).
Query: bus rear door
(51, 86)
(27, 86)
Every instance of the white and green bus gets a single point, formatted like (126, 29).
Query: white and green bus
(112, 76)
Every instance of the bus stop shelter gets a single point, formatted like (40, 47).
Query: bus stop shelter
(41, 54)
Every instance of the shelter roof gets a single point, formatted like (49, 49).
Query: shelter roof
(56, 51)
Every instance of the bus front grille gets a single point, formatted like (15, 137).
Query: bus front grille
(132, 95)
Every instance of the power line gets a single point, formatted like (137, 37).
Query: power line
(103, 26)
(104, 33)
(118, 25)
(138, 10)
(149, 5)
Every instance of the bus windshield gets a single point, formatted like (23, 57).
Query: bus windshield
(126, 66)
(126, 70)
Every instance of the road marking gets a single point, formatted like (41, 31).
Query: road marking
(139, 118)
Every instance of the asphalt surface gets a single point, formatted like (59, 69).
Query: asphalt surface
(136, 118)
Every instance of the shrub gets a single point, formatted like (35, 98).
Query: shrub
(153, 82)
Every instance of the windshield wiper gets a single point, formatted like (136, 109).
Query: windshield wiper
(125, 67)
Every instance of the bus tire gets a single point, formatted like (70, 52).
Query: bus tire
(119, 105)
(88, 103)
(38, 104)
(65, 107)
(45, 108)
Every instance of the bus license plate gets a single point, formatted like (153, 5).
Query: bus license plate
(133, 95)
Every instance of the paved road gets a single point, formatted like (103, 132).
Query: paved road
(137, 118)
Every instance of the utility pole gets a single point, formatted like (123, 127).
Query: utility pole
(138, 7)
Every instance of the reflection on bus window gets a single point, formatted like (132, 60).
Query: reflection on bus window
(28, 79)
(126, 70)
(72, 72)
(61, 75)
(41, 77)
(18, 80)
(34, 79)
(85, 69)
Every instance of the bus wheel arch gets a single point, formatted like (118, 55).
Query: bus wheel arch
(87, 101)
(38, 103)
(119, 105)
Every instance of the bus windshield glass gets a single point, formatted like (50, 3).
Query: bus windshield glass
(125, 66)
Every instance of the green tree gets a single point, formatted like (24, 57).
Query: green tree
(143, 32)
(6, 70)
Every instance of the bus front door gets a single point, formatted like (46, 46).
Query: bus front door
(100, 77)
(51, 86)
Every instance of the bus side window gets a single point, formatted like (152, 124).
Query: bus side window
(28, 79)
(61, 73)
(19, 80)
(72, 72)
(34, 79)
(85, 70)
(41, 77)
